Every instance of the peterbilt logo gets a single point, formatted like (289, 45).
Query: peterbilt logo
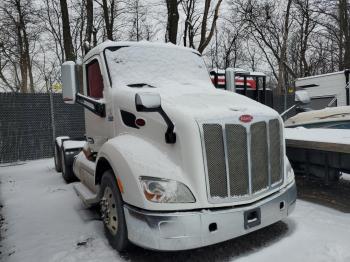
(245, 118)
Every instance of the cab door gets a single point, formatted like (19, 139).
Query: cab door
(99, 127)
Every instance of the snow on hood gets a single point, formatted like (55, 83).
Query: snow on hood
(216, 103)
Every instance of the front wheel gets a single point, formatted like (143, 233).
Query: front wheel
(112, 212)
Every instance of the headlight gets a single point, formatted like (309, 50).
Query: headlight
(290, 172)
(165, 191)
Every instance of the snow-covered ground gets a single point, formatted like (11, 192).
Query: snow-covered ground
(45, 221)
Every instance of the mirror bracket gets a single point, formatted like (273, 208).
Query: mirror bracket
(92, 105)
(170, 135)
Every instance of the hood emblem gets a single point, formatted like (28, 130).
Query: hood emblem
(245, 118)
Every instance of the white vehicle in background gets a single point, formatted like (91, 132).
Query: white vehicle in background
(330, 117)
(173, 162)
(326, 90)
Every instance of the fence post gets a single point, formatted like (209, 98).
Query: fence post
(52, 112)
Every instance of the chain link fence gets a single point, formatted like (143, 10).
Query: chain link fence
(30, 122)
(281, 103)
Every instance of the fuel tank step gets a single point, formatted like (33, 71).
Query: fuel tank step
(85, 194)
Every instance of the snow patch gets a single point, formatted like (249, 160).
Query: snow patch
(339, 136)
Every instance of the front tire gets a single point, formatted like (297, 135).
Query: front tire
(113, 213)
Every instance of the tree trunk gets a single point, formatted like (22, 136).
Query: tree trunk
(109, 26)
(89, 21)
(22, 62)
(344, 28)
(282, 68)
(25, 47)
(67, 37)
(28, 58)
(173, 20)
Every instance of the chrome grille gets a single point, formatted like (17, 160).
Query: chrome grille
(275, 151)
(214, 147)
(229, 148)
(236, 136)
(259, 157)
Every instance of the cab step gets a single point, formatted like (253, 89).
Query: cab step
(88, 197)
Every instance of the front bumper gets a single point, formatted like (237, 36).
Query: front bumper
(193, 229)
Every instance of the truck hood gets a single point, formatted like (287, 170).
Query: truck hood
(210, 102)
(202, 101)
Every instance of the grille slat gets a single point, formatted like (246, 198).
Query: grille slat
(275, 151)
(236, 136)
(214, 147)
(259, 157)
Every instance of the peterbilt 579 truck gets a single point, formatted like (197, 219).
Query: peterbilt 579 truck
(173, 162)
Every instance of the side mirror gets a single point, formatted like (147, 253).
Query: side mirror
(147, 102)
(302, 97)
(69, 82)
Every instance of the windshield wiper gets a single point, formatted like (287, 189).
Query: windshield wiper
(140, 85)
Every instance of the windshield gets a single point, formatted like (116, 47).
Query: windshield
(155, 66)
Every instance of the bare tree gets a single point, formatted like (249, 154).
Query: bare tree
(269, 27)
(53, 26)
(305, 18)
(17, 15)
(189, 8)
(139, 26)
(205, 39)
(197, 20)
(109, 16)
(67, 37)
(230, 45)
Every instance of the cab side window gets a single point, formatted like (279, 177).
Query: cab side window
(94, 80)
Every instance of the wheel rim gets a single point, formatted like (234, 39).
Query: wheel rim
(109, 211)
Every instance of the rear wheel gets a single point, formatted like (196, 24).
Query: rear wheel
(112, 212)
(67, 169)
(57, 158)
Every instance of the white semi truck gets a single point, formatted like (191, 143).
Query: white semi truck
(173, 162)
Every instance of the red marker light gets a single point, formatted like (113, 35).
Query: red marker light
(140, 122)
(245, 118)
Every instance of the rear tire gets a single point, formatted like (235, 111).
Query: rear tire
(57, 158)
(113, 213)
(67, 170)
